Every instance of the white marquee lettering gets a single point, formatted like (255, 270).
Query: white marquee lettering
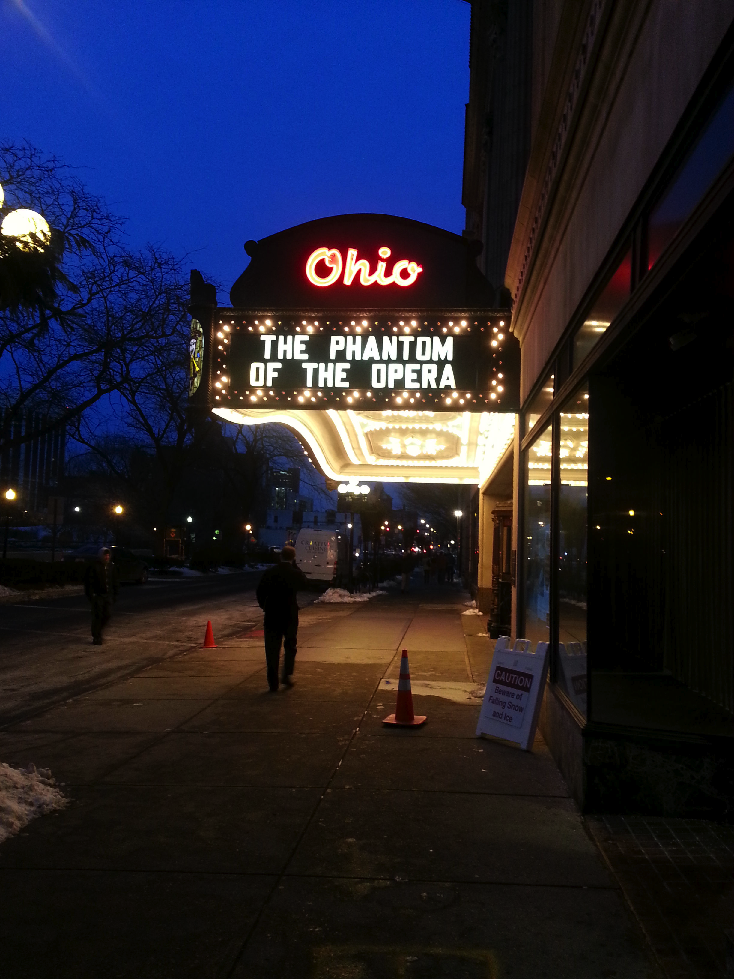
(272, 371)
(406, 342)
(268, 341)
(411, 375)
(423, 348)
(298, 352)
(389, 348)
(335, 344)
(428, 375)
(443, 351)
(447, 377)
(370, 351)
(309, 369)
(394, 373)
(257, 375)
(379, 375)
(285, 348)
(326, 375)
(354, 347)
(341, 380)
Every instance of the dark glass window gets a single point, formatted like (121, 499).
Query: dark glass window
(614, 295)
(573, 445)
(539, 403)
(705, 161)
(537, 538)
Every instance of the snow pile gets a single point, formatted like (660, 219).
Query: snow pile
(471, 604)
(24, 794)
(342, 596)
(8, 592)
(472, 611)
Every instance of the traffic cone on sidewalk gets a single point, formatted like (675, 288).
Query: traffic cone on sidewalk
(209, 638)
(404, 716)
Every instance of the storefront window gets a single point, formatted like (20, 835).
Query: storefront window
(539, 403)
(537, 538)
(706, 160)
(613, 297)
(572, 550)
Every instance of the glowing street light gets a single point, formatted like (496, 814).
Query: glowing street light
(189, 520)
(118, 509)
(10, 495)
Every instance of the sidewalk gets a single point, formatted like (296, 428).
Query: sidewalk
(215, 830)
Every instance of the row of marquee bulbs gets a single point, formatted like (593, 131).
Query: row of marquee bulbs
(354, 488)
(29, 229)
(357, 326)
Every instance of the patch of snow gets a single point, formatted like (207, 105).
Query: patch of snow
(24, 794)
(342, 596)
(8, 592)
(471, 604)
(472, 611)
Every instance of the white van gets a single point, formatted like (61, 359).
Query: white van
(317, 553)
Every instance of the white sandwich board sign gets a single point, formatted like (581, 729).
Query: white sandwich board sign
(514, 692)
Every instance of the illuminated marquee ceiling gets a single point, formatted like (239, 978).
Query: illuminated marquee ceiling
(394, 446)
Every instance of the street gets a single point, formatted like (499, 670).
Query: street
(46, 652)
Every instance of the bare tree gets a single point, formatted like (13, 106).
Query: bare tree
(67, 337)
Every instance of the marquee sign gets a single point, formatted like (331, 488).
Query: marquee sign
(437, 363)
(359, 311)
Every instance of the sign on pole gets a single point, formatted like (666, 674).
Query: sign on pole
(514, 692)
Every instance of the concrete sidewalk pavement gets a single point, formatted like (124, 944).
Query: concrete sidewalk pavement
(216, 830)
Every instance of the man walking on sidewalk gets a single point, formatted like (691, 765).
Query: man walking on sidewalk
(276, 595)
(100, 587)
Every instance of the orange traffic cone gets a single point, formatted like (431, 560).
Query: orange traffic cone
(209, 638)
(404, 716)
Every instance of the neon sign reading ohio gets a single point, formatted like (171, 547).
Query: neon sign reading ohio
(409, 362)
(326, 265)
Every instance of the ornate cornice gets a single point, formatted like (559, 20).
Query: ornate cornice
(537, 193)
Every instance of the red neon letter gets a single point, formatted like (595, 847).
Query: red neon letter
(411, 268)
(352, 266)
(332, 258)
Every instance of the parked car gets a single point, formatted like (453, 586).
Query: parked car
(130, 567)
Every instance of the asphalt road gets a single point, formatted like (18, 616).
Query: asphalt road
(46, 653)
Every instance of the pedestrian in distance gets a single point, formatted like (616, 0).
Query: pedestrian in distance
(100, 587)
(276, 596)
(406, 570)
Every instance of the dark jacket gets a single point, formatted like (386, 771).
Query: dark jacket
(100, 581)
(276, 594)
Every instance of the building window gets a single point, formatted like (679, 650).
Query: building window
(539, 403)
(573, 445)
(704, 162)
(537, 538)
(597, 321)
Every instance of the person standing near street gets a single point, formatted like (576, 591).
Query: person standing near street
(100, 587)
(276, 595)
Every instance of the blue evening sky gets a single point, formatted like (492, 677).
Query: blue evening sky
(208, 122)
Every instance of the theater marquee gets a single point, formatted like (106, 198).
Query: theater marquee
(358, 315)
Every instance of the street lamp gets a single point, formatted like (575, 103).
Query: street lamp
(10, 495)
(118, 509)
(189, 520)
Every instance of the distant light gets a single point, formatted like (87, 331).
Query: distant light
(632, 513)
(10, 494)
(189, 520)
(458, 513)
(77, 509)
(118, 508)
